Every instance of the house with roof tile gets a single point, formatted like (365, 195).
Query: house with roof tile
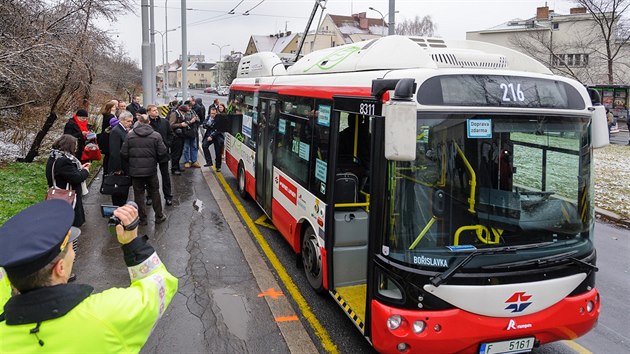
(568, 44)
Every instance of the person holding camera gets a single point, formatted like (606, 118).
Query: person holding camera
(141, 152)
(50, 315)
(178, 124)
(212, 136)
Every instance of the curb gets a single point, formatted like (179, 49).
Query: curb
(612, 217)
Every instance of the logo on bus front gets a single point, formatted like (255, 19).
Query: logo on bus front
(288, 189)
(518, 302)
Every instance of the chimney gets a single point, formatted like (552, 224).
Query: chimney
(363, 23)
(542, 13)
(578, 10)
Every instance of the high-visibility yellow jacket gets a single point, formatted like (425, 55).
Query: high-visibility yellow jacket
(5, 289)
(67, 319)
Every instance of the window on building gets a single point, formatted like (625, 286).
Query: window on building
(555, 25)
(571, 60)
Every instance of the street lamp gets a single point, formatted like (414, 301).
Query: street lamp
(165, 93)
(383, 16)
(218, 62)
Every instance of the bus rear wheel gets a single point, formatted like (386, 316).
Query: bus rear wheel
(241, 181)
(312, 260)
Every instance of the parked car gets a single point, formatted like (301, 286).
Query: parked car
(223, 90)
(179, 96)
(210, 90)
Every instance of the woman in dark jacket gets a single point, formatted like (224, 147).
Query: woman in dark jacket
(77, 127)
(68, 171)
(103, 139)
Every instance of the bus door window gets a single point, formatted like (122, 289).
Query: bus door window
(321, 144)
(354, 147)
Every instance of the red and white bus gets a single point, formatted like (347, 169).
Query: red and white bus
(440, 191)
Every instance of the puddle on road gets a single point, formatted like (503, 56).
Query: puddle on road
(233, 310)
(198, 205)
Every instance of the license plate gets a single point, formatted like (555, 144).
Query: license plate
(521, 345)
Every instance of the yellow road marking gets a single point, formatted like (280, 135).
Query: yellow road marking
(576, 347)
(320, 332)
(262, 221)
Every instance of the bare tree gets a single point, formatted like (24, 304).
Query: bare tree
(50, 56)
(417, 27)
(613, 28)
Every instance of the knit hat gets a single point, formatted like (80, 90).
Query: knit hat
(82, 113)
(184, 108)
(142, 110)
(113, 122)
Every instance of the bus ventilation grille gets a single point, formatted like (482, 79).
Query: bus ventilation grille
(469, 60)
(429, 42)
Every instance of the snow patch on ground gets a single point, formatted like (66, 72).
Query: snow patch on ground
(8, 150)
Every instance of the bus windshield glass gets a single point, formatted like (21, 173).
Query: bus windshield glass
(489, 180)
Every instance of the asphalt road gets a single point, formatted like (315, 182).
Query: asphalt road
(612, 335)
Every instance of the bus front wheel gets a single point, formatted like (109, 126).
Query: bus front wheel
(241, 185)
(312, 260)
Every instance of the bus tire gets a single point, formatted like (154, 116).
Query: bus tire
(241, 181)
(312, 260)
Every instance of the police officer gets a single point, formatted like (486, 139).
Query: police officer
(50, 315)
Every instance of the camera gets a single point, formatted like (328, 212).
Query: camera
(107, 211)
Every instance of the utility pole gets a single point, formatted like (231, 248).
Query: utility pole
(184, 53)
(391, 25)
(152, 46)
(219, 61)
(166, 97)
(146, 52)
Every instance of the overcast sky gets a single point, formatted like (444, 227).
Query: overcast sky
(208, 21)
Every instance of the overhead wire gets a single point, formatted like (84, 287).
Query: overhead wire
(246, 13)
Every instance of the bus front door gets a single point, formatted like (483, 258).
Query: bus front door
(264, 155)
(351, 196)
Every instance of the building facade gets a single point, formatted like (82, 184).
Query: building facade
(570, 45)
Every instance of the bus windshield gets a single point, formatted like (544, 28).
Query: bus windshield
(489, 180)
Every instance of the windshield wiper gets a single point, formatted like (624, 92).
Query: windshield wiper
(447, 274)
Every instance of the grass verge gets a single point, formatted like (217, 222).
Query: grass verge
(24, 184)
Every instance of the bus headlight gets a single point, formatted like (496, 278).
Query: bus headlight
(589, 306)
(393, 322)
(419, 326)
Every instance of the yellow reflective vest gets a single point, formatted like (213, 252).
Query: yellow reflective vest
(5, 289)
(115, 321)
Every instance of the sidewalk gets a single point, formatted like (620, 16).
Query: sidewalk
(217, 308)
(620, 137)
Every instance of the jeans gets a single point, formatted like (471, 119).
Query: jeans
(190, 150)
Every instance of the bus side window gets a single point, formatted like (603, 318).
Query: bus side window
(321, 144)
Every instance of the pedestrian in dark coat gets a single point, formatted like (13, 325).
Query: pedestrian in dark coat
(142, 151)
(117, 137)
(68, 171)
(103, 138)
(77, 127)
(163, 127)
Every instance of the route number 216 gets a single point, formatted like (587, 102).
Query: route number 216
(510, 94)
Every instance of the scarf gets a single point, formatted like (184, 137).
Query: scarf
(83, 125)
(58, 153)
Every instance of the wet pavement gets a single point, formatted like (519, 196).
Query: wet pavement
(217, 308)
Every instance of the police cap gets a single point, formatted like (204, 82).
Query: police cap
(35, 236)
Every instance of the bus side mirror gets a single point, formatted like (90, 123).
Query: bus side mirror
(400, 130)
(599, 127)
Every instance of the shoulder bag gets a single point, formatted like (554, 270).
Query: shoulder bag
(68, 195)
(115, 184)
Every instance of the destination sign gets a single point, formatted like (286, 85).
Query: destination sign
(498, 90)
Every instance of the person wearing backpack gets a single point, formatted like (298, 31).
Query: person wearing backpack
(178, 124)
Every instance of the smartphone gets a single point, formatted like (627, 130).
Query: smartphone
(108, 210)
